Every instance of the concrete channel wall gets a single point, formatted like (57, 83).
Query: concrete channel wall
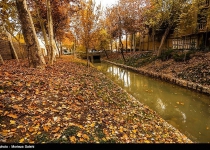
(183, 83)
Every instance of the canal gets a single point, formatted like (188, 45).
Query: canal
(186, 110)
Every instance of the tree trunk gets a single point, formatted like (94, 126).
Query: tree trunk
(153, 38)
(126, 42)
(148, 42)
(36, 58)
(106, 54)
(163, 40)
(121, 48)
(1, 60)
(139, 42)
(134, 42)
(12, 46)
(50, 32)
(43, 31)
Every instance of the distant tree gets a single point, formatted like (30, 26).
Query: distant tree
(88, 18)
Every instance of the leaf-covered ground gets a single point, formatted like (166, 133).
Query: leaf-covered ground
(68, 103)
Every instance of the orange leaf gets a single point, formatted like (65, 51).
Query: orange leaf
(56, 130)
(12, 116)
(72, 139)
(46, 128)
(28, 84)
(31, 129)
(13, 130)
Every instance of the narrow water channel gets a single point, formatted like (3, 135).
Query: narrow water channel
(186, 110)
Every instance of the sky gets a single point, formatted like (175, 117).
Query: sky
(104, 3)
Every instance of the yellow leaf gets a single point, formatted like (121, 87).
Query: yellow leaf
(21, 140)
(85, 136)
(4, 132)
(177, 102)
(121, 129)
(34, 133)
(125, 136)
(12, 116)
(21, 126)
(37, 91)
(39, 133)
(146, 141)
(207, 128)
(12, 122)
(79, 134)
(93, 124)
(134, 131)
(72, 139)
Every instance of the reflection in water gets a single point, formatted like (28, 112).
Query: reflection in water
(122, 75)
(160, 105)
(182, 113)
(186, 110)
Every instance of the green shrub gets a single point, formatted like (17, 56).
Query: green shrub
(166, 55)
(182, 57)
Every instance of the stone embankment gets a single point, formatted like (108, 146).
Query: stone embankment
(186, 84)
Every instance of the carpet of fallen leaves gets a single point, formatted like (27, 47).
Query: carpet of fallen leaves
(68, 103)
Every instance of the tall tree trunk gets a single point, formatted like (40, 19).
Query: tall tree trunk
(153, 38)
(50, 32)
(1, 60)
(148, 41)
(111, 46)
(43, 31)
(121, 48)
(135, 41)
(131, 42)
(126, 42)
(163, 40)
(139, 41)
(36, 58)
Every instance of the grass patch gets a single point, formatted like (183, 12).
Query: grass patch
(42, 138)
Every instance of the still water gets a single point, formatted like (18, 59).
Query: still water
(184, 109)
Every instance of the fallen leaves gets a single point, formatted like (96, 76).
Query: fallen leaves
(12, 122)
(12, 116)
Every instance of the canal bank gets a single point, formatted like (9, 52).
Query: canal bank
(183, 83)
